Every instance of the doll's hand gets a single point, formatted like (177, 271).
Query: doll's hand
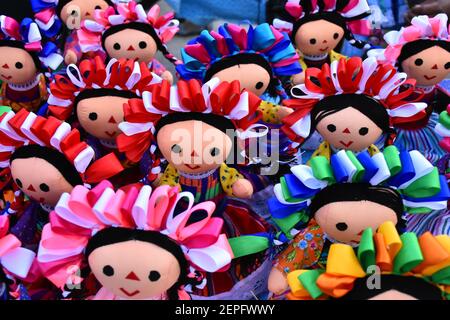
(284, 112)
(298, 78)
(70, 57)
(277, 282)
(243, 189)
(166, 75)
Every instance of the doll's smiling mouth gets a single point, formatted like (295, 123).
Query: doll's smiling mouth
(110, 134)
(348, 144)
(129, 294)
(323, 50)
(429, 78)
(7, 77)
(192, 167)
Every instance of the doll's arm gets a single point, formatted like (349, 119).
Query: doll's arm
(234, 184)
(72, 50)
(273, 113)
(299, 78)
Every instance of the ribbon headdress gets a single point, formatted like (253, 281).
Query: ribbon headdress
(165, 27)
(443, 129)
(26, 128)
(82, 213)
(46, 16)
(421, 187)
(211, 47)
(13, 258)
(426, 257)
(353, 76)
(351, 12)
(120, 75)
(214, 97)
(28, 33)
(421, 28)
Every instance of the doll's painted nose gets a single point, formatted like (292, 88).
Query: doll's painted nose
(31, 188)
(324, 41)
(132, 276)
(112, 120)
(130, 48)
(346, 130)
(5, 66)
(434, 67)
(194, 154)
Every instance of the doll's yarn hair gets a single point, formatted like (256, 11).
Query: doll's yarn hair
(92, 78)
(60, 4)
(414, 47)
(342, 82)
(102, 216)
(129, 15)
(411, 264)
(342, 192)
(346, 14)
(26, 135)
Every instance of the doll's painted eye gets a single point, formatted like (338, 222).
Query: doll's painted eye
(74, 13)
(108, 271)
(312, 41)
(335, 35)
(19, 183)
(44, 187)
(447, 65)
(214, 151)
(142, 44)
(154, 276)
(176, 148)
(341, 226)
(259, 85)
(418, 62)
(331, 127)
(363, 131)
(19, 65)
(98, 8)
(116, 46)
(93, 116)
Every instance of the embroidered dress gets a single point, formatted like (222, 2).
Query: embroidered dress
(30, 96)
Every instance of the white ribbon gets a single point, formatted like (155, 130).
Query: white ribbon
(116, 19)
(26, 128)
(305, 174)
(147, 98)
(18, 261)
(241, 109)
(281, 24)
(83, 159)
(360, 8)
(78, 81)
(369, 66)
(60, 134)
(433, 205)
(383, 172)
(278, 191)
(248, 133)
(397, 80)
(53, 61)
(6, 128)
(50, 255)
(140, 207)
(54, 101)
(34, 34)
(407, 110)
(421, 165)
(140, 12)
(346, 164)
(63, 210)
(93, 26)
(303, 126)
(101, 205)
(131, 128)
(442, 131)
(211, 258)
(173, 223)
(134, 77)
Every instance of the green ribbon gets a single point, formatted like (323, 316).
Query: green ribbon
(421, 210)
(309, 279)
(392, 157)
(322, 169)
(442, 276)
(366, 249)
(360, 171)
(246, 245)
(427, 186)
(286, 224)
(444, 119)
(286, 193)
(4, 109)
(410, 255)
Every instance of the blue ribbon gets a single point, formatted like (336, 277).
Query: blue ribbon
(339, 173)
(39, 5)
(407, 172)
(297, 189)
(279, 210)
(369, 165)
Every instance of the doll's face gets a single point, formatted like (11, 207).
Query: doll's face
(80, 10)
(131, 44)
(100, 116)
(393, 295)
(134, 269)
(345, 221)
(428, 67)
(318, 37)
(252, 77)
(16, 66)
(349, 129)
(193, 146)
(45, 187)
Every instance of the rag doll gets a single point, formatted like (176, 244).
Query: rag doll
(131, 33)
(15, 261)
(144, 247)
(93, 95)
(318, 27)
(338, 201)
(353, 104)
(193, 127)
(422, 51)
(60, 19)
(258, 58)
(24, 56)
(386, 266)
